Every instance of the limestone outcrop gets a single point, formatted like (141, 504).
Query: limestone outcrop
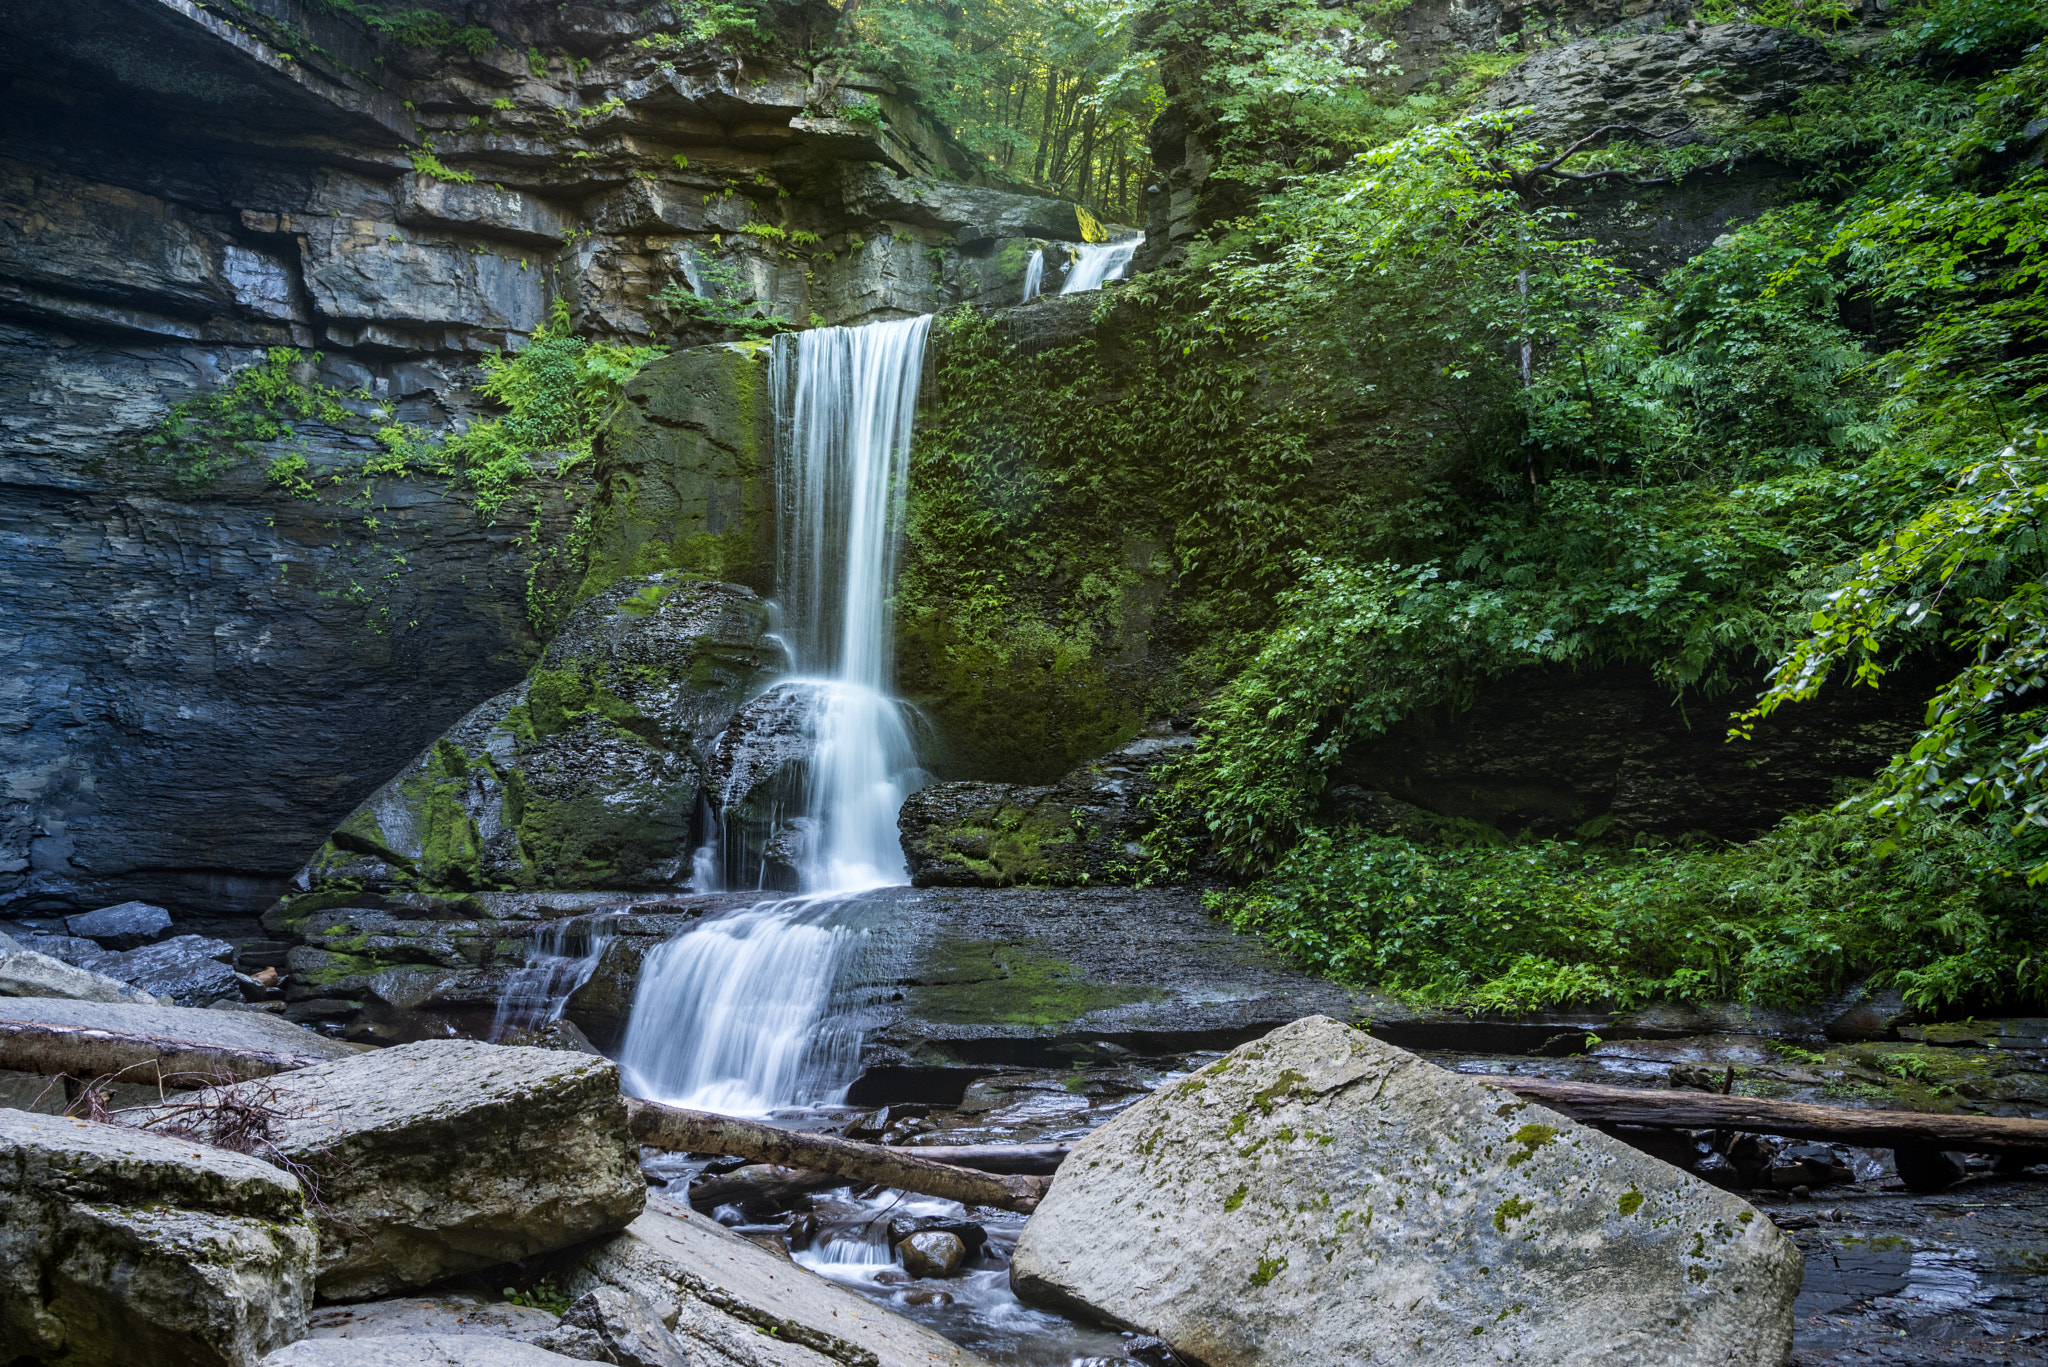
(257, 656)
(1318, 1196)
(1672, 84)
(437, 1158)
(122, 1246)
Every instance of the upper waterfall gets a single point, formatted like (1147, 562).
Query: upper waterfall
(845, 399)
(1095, 262)
(1034, 274)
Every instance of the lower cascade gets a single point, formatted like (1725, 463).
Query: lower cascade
(733, 1014)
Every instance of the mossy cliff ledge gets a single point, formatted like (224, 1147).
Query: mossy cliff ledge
(584, 776)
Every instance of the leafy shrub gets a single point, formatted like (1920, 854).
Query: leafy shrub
(201, 438)
(1780, 921)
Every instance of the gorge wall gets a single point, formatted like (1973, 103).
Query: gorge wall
(206, 670)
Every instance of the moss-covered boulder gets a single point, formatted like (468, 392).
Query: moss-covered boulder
(586, 775)
(686, 472)
(1085, 829)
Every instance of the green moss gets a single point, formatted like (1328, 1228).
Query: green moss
(1236, 1198)
(1629, 1202)
(1276, 1093)
(1268, 1269)
(992, 982)
(1531, 1138)
(1005, 845)
(1514, 1208)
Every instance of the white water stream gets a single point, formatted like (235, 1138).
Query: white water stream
(735, 1014)
(1034, 275)
(1096, 262)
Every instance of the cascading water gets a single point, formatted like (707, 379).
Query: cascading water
(1034, 275)
(1095, 262)
(559, 960)
(737, 1014)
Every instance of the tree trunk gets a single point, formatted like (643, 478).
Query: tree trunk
(672, 1127)
(1678, 1110)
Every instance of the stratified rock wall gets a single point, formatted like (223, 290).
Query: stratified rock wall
(202, 676)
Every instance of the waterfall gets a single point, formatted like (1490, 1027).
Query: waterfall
(736, 1013)
(559, 961)
(1034, 274)
(1095, 262)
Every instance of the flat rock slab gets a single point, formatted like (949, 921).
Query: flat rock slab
(1321, 1197)
(26, 973)
(412, 1315)
(415, 1350)
(122, 1246)
(734, 1302)
(188, 1041)
(451, 1155)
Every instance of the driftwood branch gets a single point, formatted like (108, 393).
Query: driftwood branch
(87, 1052)
(672, 1127)
(1680, 1110)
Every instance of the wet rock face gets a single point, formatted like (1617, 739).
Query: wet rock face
(1083, 830)
(444, 1157)
(1319, 1196)
(127, 926)
(121, 1246)
(586, 775)
(26, 973)
(1548, 751)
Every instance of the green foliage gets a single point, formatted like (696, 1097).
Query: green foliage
(557, 392)
(415, 25)
(727, 306)
(201, 438)
(1782, 920)
(427, 164)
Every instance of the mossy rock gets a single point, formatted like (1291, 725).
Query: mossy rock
(586, 775)
(685, 472)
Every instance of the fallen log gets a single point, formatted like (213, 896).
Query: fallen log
(1042, 1159)
(759, 1188)
(1658, 1108)
(672, 1127)
(50, 1050)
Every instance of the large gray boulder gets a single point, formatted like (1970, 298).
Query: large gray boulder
(1320, 1197)
(1669, 83)
(25, 973)
(122, 1246)
(462, 1313)
(585, 775)
(443, 1157)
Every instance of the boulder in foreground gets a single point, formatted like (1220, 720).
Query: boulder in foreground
(1318, 1196)
(729, 1301)
(416, 1350)
(451, 1155)
(123, 1246)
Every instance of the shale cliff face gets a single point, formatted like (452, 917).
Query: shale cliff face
(204, 674)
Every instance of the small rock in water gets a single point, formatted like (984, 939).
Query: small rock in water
(126, 926)
(932, 1254)
(609, 1325)
(966, 1231)
(1153, 1352)
(928, 1298)
(1922, 1167)
(1808, 1165)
